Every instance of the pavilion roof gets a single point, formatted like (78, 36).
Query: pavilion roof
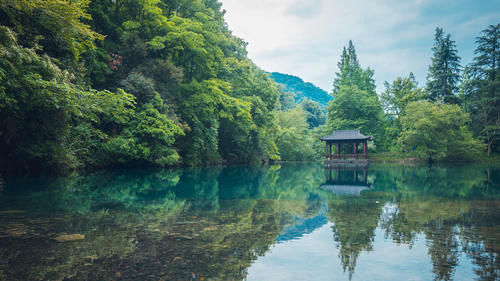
(344, 135)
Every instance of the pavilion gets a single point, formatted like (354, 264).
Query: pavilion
(342, 146)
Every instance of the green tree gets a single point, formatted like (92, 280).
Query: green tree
(55, 25)
(354, 108)
(185, 52)
(315, 116)
(437, 131)
(287, 100)
(356, 104)
(44, 118)
(481, 87)
(351, 74)
(294, 140)
(444, 71)
(399, 93)
(394, 100)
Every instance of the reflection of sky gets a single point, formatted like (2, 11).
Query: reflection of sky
(316, 257)
(303, 227)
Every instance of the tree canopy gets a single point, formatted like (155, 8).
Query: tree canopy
(355, 104)
(437, 131)
(162, 82)
(481, 88)
(92, 84)
(444, 71)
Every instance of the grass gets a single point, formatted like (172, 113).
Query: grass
(393, 157)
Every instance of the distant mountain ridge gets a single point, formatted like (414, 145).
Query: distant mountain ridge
(301, 89)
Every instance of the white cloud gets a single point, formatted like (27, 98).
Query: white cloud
(305, 37)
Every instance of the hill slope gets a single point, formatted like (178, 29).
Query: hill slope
(301, 89)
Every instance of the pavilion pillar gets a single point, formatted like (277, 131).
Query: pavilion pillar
(364, 174)
(364, 150)
(337, 151)
(326, 150)
(355, 148)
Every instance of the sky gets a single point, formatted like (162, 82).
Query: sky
(394, 37)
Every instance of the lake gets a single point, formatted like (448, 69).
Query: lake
(277, 222)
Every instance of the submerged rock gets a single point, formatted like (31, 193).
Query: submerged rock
(69, 237)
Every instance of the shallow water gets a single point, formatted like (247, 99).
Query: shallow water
(288, 222)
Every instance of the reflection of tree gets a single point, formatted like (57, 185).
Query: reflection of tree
(443, 249)
(442, 203)
(355, 221)
(214, 222)
(477, 239)
(397, 226)
(159, 224)
(200, 187)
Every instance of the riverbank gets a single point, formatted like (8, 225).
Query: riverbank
(404, 158)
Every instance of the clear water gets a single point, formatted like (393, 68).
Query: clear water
(289, 222)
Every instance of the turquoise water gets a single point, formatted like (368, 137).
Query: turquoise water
(288, 222)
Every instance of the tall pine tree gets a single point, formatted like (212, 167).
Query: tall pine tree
(481, 89)
(444, 71)
(351, 74)
(356, 104)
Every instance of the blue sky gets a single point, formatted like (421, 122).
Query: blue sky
(305, 37)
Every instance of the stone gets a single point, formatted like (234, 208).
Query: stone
(210, 228)
(69, 237)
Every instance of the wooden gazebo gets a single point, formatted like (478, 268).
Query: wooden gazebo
(342, 145)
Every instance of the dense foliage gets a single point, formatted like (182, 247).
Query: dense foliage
(356, 104)
(437, 131)
(94, 84)
(451, 118)
(481, 88)
(295, 142)
(90, 84)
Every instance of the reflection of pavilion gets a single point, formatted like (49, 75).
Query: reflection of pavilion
(346, 180)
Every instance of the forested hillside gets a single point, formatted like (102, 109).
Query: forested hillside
(101, 83)
(302, 90)
(93, 84)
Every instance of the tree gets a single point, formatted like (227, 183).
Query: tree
(47, 122)
(294, 141)
(356, 104)
(314, 115)
(56, 25)
(354, 108)
(287, 100)
(350, 72)
(481, 88)
(444, 71)
(437, 131)
(397, 95)
(394, 100)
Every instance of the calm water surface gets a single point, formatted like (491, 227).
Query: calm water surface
(289, 222)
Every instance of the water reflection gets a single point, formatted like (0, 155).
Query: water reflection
(346, 180)
(219, 223)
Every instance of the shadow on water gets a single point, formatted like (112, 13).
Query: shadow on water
(213, 223)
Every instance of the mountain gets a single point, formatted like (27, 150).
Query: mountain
(301, 89)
